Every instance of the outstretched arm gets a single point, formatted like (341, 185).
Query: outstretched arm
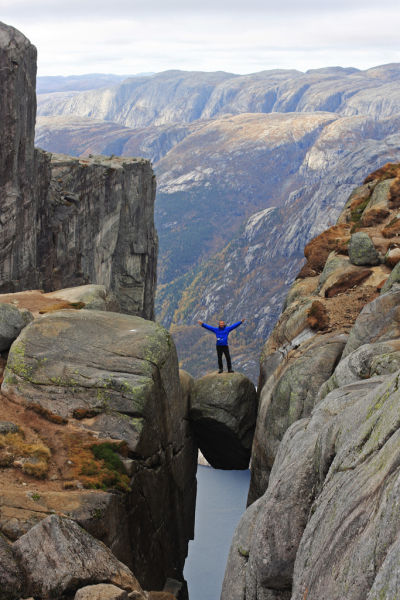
(236, 324)
(213, 329)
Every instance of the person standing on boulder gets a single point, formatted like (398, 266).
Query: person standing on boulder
(222, 332)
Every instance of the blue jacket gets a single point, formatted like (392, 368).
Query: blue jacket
(222, 334)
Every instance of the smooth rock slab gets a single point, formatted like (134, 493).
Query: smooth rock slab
(12, 321)
(223, 414)
(58, 556)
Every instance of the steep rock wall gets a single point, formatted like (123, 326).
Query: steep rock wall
(323, 522)
(66, 222)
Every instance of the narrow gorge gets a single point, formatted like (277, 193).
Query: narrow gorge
(100, 430)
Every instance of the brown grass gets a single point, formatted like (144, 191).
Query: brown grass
(61, 306)
(47, 414)
(84, 413)
(388, 171)
(392, 230)
(318, 316)
(347, 281)
(33, 458)
(374, 216)
(161, 596)
(335, 238)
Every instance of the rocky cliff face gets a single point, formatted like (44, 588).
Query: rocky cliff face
(94, 427)
(322, 521)
(67, 222)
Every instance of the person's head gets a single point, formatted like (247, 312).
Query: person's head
(221, 324)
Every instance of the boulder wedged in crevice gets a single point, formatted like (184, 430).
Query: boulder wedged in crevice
(223, 412)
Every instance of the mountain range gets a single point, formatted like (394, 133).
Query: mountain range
(249, 168)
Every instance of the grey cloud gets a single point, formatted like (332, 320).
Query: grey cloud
(78, 9)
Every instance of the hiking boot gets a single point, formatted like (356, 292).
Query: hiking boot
(220, 371)
(231, 371)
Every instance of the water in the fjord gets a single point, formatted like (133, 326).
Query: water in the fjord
(221, 501)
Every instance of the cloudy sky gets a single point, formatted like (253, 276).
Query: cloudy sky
(240, 36)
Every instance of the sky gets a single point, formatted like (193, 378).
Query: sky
(239, 36)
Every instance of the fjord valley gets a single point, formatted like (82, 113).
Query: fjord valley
(226, 148)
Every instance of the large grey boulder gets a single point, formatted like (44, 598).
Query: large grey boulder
(11, 578)
(118, 375)
(290, 394)
(223, 413)
(12, 321)
(58, 556)
(362, 251)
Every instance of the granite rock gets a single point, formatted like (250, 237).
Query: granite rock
(11, 577)
(362, 251)
(288, 395)
(118, 374)
(222, 414)
(12, 321)
(67, 222)
(58, 556)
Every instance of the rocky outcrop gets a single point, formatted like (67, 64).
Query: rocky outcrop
(67, 222)
(362, 251)
(12, 321)
(324, 525)
(223, 410)
(57, 557)
(116, 377)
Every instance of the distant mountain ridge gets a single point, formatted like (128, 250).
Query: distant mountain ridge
(57, 83)
(185, 96)
(225, 148)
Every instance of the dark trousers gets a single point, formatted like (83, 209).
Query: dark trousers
(224, 350)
